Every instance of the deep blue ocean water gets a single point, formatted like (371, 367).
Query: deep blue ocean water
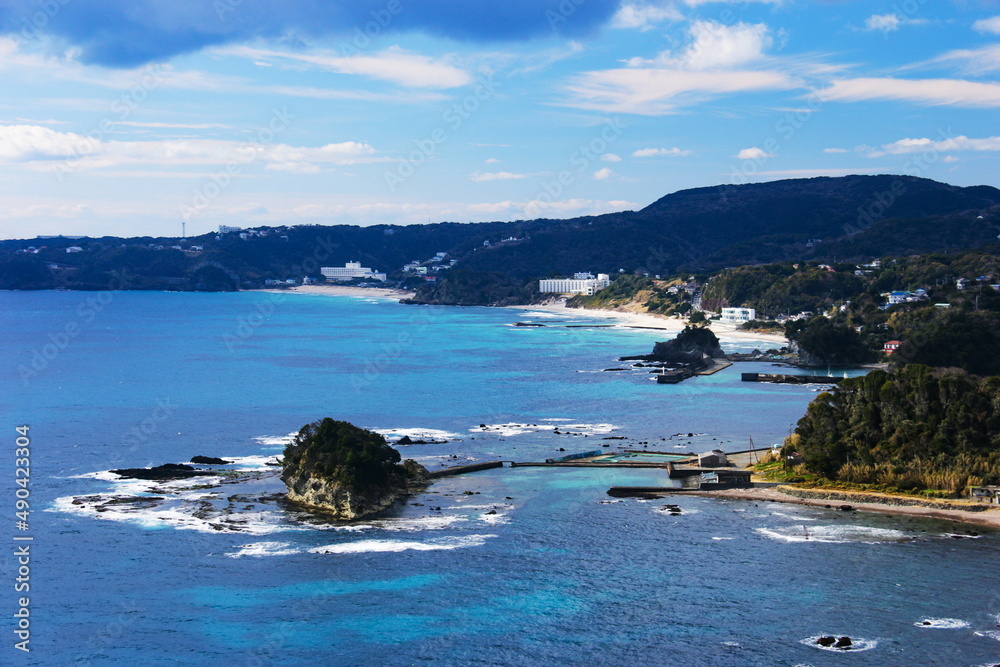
(139, 573)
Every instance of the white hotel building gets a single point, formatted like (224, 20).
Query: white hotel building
(350, 271)
(738, 315)
(580, 283)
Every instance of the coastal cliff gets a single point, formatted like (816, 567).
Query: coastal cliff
(346, 471)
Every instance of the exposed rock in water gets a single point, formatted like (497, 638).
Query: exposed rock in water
(692, 344)
(209, 460)
(696, 346)
(167, 471)
(346, 471)
(826, 641)
(407, 440)
(844, 642)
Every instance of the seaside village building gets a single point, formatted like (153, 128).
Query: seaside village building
(738, 315)
(350, 271)
(580, 283)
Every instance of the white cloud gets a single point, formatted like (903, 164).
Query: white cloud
(410, 70)
(182, 126)
(696, 3)
(935, 92)
(974, 61)
(44, 149)
(883, 22)
(949, 145)
(661, 152)
(715, 45)
(610, 157)
(812, 173)
(491, 160)
(495, 176)
(753, 154)
(716, 61)
(988, 25)
(654, 92)
(645, 16)
(603, 174)
(834, 150)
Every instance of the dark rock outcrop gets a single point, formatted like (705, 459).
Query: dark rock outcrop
(692, 344)
(345, 471)
(694, 348)
(209, 460)
(167, 471)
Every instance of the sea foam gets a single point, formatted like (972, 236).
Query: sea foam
(395, 546)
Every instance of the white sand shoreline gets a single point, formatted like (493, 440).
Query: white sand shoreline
(639, 320)
(650, 321)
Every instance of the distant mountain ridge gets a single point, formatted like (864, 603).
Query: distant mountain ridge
(695, 230)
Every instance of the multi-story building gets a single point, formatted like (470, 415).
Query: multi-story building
(350, 271)
(738, 315)
(581, 283)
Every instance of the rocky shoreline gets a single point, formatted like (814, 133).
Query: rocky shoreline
(969, 513)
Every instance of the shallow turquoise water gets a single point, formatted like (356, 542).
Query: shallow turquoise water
(559, 575)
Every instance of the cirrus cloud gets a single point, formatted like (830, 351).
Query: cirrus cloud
(932, 92)
(662, 152)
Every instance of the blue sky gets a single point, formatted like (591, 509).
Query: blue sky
(126, 117)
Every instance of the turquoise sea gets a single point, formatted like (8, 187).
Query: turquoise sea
(511, 566)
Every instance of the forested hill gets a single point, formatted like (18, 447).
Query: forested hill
(702, 229)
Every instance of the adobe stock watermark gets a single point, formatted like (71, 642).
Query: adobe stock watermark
(562, 13)
(453, 118)
(90, 144)
(785, 129)
(247, 325)
(247, 152)
(364, 35)
(31, 26)
(86, 311)
(374, 367)
(140, 433)
(580, 160)
(878, 207)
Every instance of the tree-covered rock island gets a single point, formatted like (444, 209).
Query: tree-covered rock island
(346, 471)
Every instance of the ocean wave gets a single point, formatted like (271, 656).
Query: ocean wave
(835, 534)
(259, 549)
(857, 644)
(415, 524)
(393, 434)
(274, 440)
(514, 428)
(942, 623)
(156, 512)
(396, 546)
(992, 634)
(248, 463)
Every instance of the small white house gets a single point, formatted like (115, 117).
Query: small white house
(738, 315)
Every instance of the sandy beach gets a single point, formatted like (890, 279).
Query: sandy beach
(639, 320)
(345, 290)
(650, 321)
(864, 502)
